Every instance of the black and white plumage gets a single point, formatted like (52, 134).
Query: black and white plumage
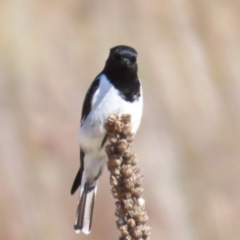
(116, 90)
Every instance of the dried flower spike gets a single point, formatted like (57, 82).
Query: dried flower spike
(126, 180)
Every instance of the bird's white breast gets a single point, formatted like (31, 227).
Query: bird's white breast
(106, 101)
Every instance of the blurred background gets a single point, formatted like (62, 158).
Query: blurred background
(188, 143)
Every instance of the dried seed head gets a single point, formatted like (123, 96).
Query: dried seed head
(127, 130)
(118, 204)
(137, 192)
(146, 238)
(134, 159)
(142, 218)
(125, 180)
(110, 123)
(146, 231)
(129, 184)
(115, 195)
(108, 149)
(114, 189)
(115, 171)
(114, 162)
(130, 138)
(126, 171)
(130, 213)
(113, 140)
(120, 222)
(121, 146)
(131, 223)
(126, 118)
(138, 180)
(113, 180)
(124, 230)
(118, 127)
(120, 212)
(112, 156)
(112, 118)
(128, 238)
(127, 155)
(136, 169)
(137, 232)
(137, 213)
(141, 202)
(127, 204)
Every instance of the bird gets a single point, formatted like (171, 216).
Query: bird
(116, 90)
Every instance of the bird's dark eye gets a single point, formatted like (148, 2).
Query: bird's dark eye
(133, 59)
(116, 57)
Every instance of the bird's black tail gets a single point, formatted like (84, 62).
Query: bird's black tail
(83, 220)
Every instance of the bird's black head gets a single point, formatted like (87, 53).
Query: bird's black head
(122, 60)
(121, 71)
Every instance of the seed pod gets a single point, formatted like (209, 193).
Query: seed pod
(127, 204)
(115, 171)
(134, 159)
(142, 218)
(146, 231)
(137, 232)
(129, 184)
(126, 131)
(120, 222)
(126, 171)
(121, 146)
(130, 138)
(108, 149)
(113, 181)
(113, 140)
(127, 155)
(126, 118)
(123, 230)
(141, 202)
(136, 169)
(114, 162)
(138, 192)
(118, 127)
(131, 222)
(128, 238)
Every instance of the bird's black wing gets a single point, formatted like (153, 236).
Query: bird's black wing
(87, 106)
(78, 178)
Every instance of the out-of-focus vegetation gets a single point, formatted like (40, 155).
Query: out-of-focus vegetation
(188, 143)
